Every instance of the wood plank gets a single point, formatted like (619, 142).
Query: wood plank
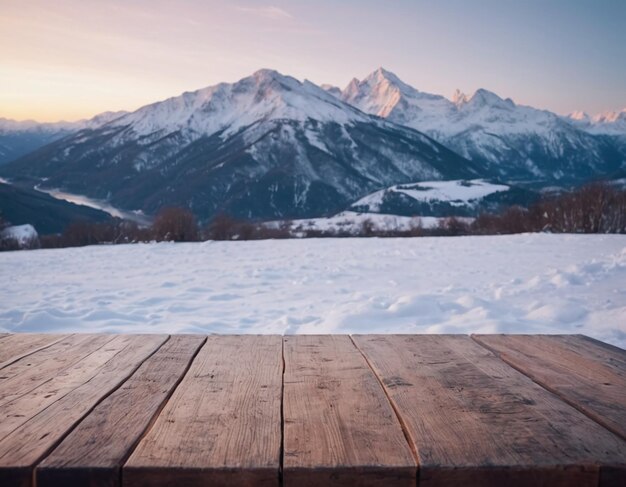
(33, 423)
(93, 453)
(14, 347)
(474, 420)
(30, 372)
(222, 425)
(339, 427)
(587, 374)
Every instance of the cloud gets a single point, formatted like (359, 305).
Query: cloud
(268, 11)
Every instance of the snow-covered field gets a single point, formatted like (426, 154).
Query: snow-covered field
(510, 284)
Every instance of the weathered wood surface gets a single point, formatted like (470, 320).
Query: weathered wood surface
(222, 425)
(46, 408)
(587, 374)
(93, 453)
(105, 410)
(474, 420)
(14, 347)
(339, 427)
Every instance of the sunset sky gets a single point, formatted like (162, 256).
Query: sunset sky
(71, 59)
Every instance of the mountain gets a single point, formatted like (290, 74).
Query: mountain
(267, 146)
(508, 141)
(444, 198)
(607, 123)
(18, 138)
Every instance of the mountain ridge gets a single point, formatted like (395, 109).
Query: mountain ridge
(509, 140)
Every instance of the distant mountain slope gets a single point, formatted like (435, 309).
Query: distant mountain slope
(444, 198)
(608, 123)
(48, 215)
(508, 141)
(18, 138)
(267, 146)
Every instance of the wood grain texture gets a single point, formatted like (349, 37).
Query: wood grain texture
(14, 347)
(34, 422)
(222, 425)
(32, 371)
(474, 420)
(93, 453)
(589, 375)
(339, 427)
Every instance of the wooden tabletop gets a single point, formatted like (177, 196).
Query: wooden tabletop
(330, 410)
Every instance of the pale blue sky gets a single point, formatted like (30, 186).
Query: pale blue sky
(74, 58)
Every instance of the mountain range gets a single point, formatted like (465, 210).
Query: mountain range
(18, 138)
(270, 146)
(508, 141)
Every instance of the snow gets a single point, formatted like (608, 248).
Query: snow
(227, 108)
(534, 283)
(606, 123)
(457, 193)
(24, 234)
(352, 222)
(480, 115)
(8, 126)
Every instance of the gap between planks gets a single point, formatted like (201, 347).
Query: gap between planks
(30, 351)
(405, 429)
(88, 412)
(281, 458)
(158, 412)
(545, 384)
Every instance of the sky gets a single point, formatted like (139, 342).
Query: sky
(72, 59)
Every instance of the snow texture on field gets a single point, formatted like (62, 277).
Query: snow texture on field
(506, 284)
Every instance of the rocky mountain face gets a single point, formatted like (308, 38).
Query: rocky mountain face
(508, 141)
(268, 146)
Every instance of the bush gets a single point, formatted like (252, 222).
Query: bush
(175, 225)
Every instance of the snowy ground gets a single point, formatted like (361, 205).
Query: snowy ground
(352, 222)
(510, 284)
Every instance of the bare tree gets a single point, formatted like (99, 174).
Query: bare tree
(175, 224)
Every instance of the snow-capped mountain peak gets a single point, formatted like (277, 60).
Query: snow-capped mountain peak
(381, 75)
(579, 116)
(610, 117)
(459, 98)
(485, 98)
(605, 123)
(332, 89)
(506, 137)
(383, 94)
(265, 95)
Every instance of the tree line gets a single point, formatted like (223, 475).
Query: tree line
(594, 208)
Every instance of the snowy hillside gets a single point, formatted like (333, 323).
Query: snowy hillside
(454, 193)
(515, 284)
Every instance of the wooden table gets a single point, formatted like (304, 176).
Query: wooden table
(330, 410)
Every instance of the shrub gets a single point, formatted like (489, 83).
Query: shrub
(176, 225)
